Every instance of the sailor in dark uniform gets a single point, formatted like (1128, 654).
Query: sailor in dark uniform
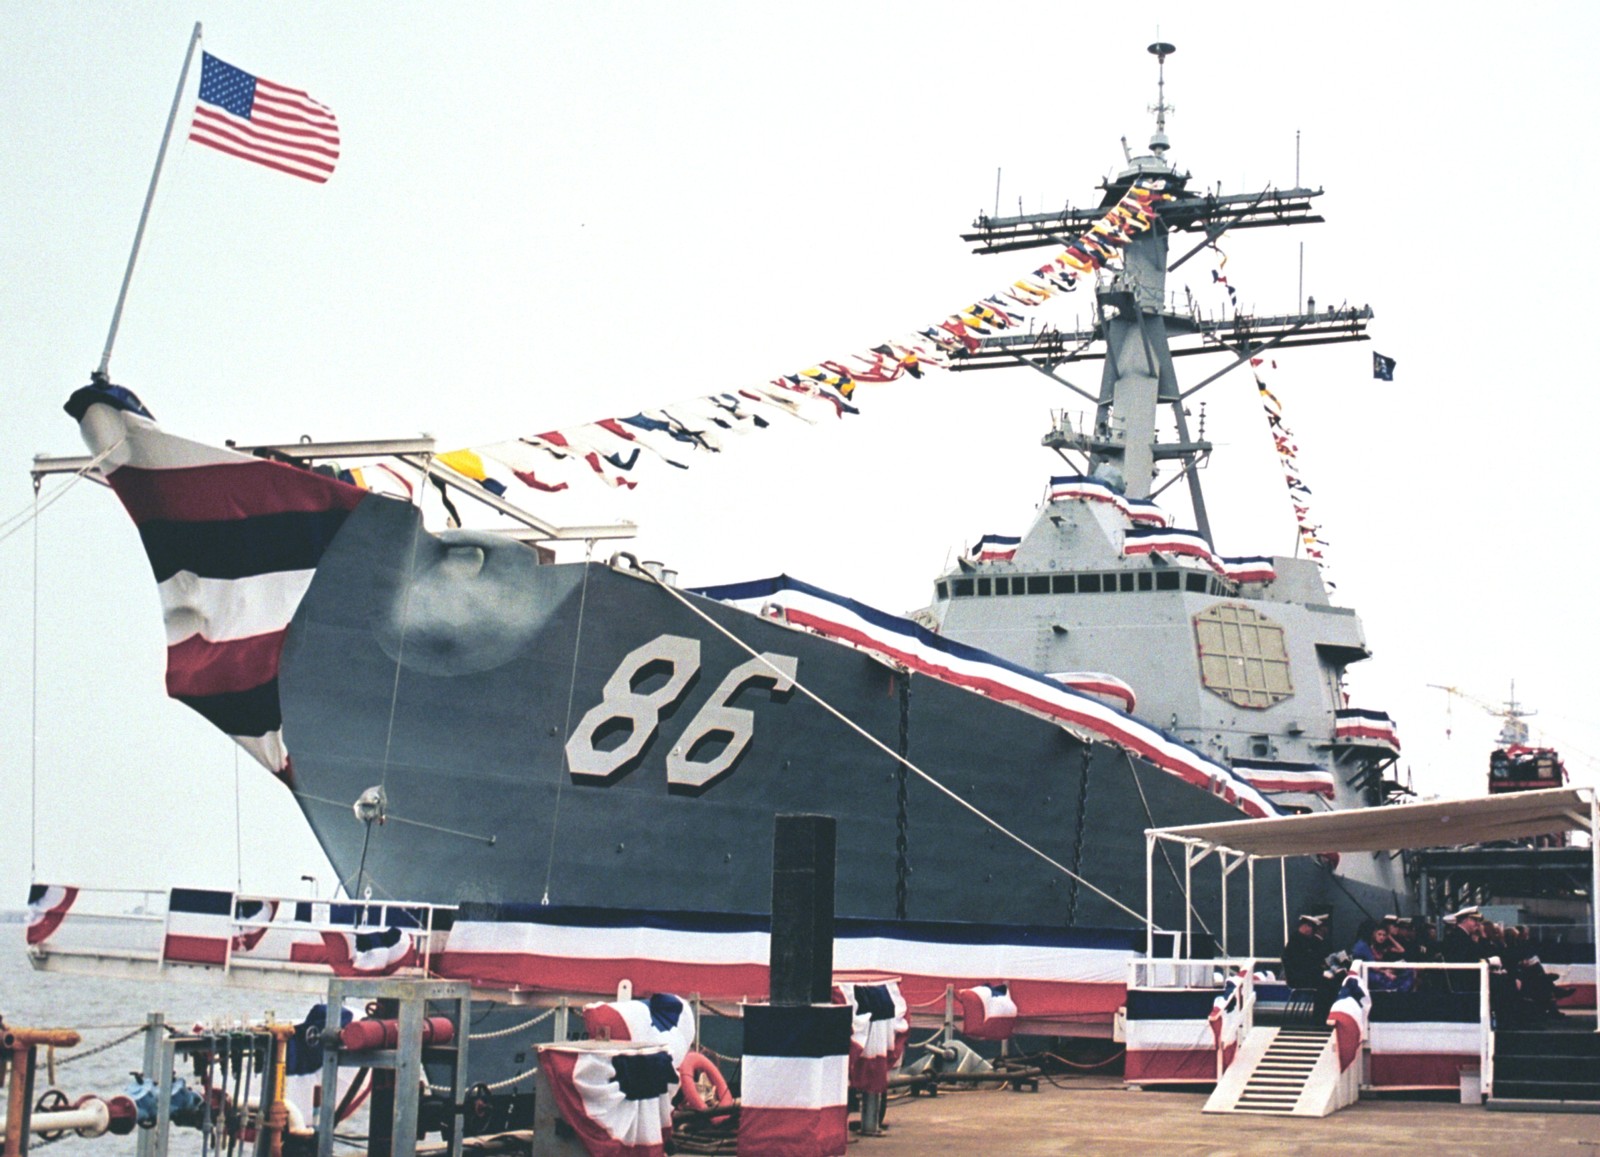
(1464, 943)
(1303, 954)
(1303, 963)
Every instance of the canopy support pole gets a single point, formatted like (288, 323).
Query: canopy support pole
(1222, 863)
(1188, 902)
(1149, 896)
(1283, 894)
(1250, 878)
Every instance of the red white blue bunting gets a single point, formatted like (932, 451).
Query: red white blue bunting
(1420, 1040)
(233, 541)
(48, 905)
(795, 1080)
(1053, 974)
(902, 643)
(199, 927)
(1348, 1016)
(370, 951)
(617, 1099)
(1099, 684)
(1149, 531)
(987, 1012)
(663, 1020)
(994, 548)
(1140, 511)
(1361, 726)
(1283, 775)
(878, 1030)
(1227, 1018)
(1174, 543)
(1170, 1037)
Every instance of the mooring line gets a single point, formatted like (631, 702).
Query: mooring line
(887, 750)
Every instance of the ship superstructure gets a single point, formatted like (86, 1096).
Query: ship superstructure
(1244, 662)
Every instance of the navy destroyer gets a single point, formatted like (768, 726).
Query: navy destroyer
(463, 721)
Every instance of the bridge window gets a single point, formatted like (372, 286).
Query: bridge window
(1167, 580)
(963, 588)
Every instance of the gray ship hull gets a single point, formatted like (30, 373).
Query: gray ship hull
(467, 735)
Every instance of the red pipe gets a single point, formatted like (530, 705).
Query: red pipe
(358, 1036)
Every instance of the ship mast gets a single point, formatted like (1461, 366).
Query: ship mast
(1138, 375)
(1138, 331)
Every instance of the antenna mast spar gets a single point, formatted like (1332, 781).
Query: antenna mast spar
(1137, 332)
(1159, 143)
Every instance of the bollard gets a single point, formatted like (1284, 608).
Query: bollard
(797, 1048)
(802, 909)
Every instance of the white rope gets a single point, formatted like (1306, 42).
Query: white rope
(31, 512)
(494, 1088)
(514, 1029)
(911, 767)
(238, 825)
(572, 687)
(399, 662)
(33, 720)
(30, 515)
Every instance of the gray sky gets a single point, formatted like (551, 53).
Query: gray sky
(550, 213)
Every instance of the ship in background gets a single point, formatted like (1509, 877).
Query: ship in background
(587, 742)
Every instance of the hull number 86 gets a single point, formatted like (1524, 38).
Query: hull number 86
(623, 706)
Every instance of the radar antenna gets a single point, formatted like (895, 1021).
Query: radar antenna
(1159, 144)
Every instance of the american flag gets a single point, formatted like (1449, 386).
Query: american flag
(281, 128)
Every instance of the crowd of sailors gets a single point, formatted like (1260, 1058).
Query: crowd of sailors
(1520, 989)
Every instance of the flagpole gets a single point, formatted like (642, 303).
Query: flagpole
(103, 372)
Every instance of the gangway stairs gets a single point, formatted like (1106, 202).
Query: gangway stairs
(1286, 1072)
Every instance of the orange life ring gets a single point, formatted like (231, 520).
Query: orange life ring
(694, 1065)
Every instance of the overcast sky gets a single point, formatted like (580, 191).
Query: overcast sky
(550, 213)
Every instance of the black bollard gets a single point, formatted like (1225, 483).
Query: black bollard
(795, 1071)
(802, 909)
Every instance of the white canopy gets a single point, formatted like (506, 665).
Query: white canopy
(1437, 824)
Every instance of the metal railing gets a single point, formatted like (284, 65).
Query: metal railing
(1360, 968)
(102, 925)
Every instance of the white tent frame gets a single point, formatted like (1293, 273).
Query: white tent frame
(1437, 823)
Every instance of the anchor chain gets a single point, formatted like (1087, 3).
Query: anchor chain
(1077, 845)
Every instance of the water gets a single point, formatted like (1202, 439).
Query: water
(101, 1010)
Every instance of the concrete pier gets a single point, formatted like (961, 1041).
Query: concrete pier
(1098, 1115)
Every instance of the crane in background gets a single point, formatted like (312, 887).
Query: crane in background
(1513, 731)
(1514, 765)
